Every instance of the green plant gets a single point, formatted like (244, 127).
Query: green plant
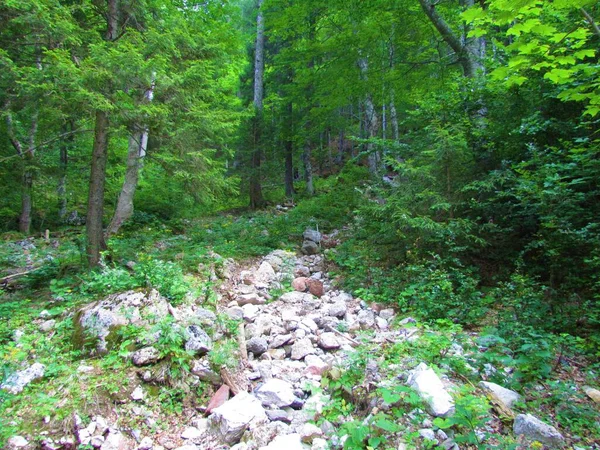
(166, 277)
(471, 414)
(224, 353)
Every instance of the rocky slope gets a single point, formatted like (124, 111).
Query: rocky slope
(294, 350)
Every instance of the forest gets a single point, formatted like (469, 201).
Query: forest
(365, 224)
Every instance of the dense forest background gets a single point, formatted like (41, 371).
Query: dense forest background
(460, 136)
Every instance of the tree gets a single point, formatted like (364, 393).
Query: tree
(256, 197)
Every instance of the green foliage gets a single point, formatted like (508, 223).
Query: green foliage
(471, 414)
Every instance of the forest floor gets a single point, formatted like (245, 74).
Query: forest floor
(214, 338)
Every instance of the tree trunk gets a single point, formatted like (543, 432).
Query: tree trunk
(256, 196)
(61, 189)
(394, 119)
(371, 122)
(136, 150)
(289, 153)
(95, 210)
(308, 171)
(26, 201)
(465, 50)
(138, 145)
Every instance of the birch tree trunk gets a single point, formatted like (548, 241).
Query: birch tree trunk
(256, 197)
(371, 121)
(136, 151)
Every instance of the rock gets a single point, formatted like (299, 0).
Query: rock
(286, 442)
(206, 316)
(533, 428)
(278, 415)
(191, 433)
(218, 398)
(98, 322)
(319, 444)
(366, 319)
(312, 235)
(251, 312)
(257, 345)
(309, 431)
(310, 248)
(302, 271)
(16, 382)
(137, 394)
(197, 340)
(47, 325)
(230, 420)
(247, 277)
(251, 299)
(329, 341)
(98, 441)
(506, 396)
(146, 444)
(281, 339)
(188, 447)
(145, 356)
(315, 365)
(201, 368)
(299, 284)
(296, 297)
(17, 442)
(235, 312)
(115, 440)
(275, 392)
(310, 325)
(592, 393)
(301, 348)
(342, 297)
(387, 313)
(277, 354)
(427, 433)
(429, 386)
(265, 273)
(382, 324)
(315, 287)
(265, 434)
(338, 309)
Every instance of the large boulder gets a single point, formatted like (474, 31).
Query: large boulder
(230, 420)
(534, 429)
(16, 382)
(431, 389)
(96, 324)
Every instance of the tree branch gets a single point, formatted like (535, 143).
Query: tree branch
(591, 21)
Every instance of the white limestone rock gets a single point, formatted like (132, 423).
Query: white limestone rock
(276, 393)
(18, 380)
(431, 389)
(231, 419)
(506, 396)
